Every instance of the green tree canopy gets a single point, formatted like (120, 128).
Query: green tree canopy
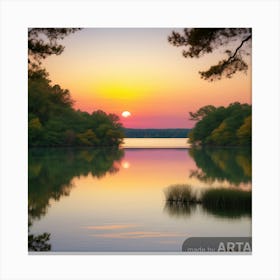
(200, 41)
(222, 126)
(52, 119)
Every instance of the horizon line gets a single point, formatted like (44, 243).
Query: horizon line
(157, 128)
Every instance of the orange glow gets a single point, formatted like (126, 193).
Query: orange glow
(112, 69)
(141, 186)
(111, 227)
(138, 234)
(125, 164)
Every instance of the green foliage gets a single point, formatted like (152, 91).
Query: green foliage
(244, 133)
(34, 130)
(52, 119)
(54, 122)
(202, 112)
(87, 138)
(222, 126)
(200, 41)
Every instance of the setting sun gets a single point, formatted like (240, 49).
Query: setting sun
(126, 114)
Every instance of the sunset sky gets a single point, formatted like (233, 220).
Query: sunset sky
(137, 70)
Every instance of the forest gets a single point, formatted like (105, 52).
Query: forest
(52, 120)
(222, 126)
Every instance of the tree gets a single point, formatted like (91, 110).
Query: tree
(52, 119)
(43, 42)
(244, 133)
(87, 138)
(222, 126)
(201, 41)
(202, 112)
(34, 130)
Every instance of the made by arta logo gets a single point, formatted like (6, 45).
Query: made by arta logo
(217, 244)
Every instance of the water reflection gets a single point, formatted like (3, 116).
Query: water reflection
(39, 242)
(234, 213)
(179, 209)
(50, 172)
(222, 165)
(185, 210)
(125, 164)
(125, 212)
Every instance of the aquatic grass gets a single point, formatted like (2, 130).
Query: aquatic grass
(227, 202)
(227, 198)
(181, 193)
(179, 209)
(228, 213)
(222, 202)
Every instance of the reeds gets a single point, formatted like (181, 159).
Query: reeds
(225, 202)
(181, 193)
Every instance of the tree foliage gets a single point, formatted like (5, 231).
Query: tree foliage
(54, 122)
(244, 133)
(222, 126)
(200, 41)
(43, 42)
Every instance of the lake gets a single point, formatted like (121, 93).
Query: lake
(110, 200)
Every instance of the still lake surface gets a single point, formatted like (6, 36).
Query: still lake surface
(108, 200)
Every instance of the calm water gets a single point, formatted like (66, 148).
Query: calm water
(106, 200)
(150, 143)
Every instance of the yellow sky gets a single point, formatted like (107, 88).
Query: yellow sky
(137, 70)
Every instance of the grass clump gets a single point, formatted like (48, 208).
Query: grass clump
(179, 209)
(222, 202)
(180, 193)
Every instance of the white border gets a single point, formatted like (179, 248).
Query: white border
(17, 16)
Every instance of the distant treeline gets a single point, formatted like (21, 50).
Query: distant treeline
(156, 133)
